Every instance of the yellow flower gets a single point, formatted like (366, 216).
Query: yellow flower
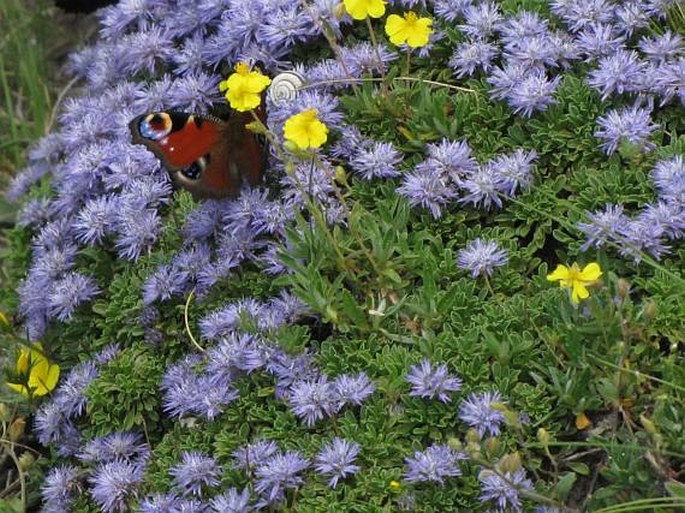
(305, 130)
(575, 279)
(360, 9)
(411, 29)
(35, 370)
(244, 88)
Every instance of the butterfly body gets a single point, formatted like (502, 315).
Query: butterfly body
(208, 156)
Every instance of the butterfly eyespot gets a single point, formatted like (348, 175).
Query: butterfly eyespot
(155, 126)
(194, 171)
(261, 140)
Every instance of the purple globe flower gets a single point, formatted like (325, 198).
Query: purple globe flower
(481, 257)
(602, 226)
(159, 503)
(278, 473)
(254, 454)
(478, 412)
(378, 161)
(59, 487)
(232, 501)
(352, 389)
(471, 56)
(336, 459)
(617, 73)
(504, 490)
(68, 293)
(482, 20)
(124, 446)
(630, 124)
(432, 383)
(669, 178)
(312, 400)
(535, 93)
(661, 47)
(433, 464)
(113, 484)
(195, 472)
(427, 188)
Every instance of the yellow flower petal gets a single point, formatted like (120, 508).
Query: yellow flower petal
(360, 9)
(18, 388)
(393, 28)
(410, 29)
(560, 273)
(582, 421)
(305, 130)
(23, 361)
(43, 378)
(578, 292)
(420, 34)
(590, 272)
(418, 40)
(36, 371)
(576, 279)
(244, 87)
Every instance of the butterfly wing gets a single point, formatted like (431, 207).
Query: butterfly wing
(207, 156)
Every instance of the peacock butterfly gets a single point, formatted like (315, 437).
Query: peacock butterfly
(205, 155)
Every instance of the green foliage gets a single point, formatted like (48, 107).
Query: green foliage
(593, 393)
(125, 395)
(25, 104)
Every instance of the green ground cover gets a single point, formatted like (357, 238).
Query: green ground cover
(374, 328)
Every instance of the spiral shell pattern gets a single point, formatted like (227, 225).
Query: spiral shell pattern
(285, 87)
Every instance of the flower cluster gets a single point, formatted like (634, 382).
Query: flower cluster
(649, 231)
(108, 193)
(55, 420)
(205, 386)
(451, 175)
(115, 466)
(109, 196)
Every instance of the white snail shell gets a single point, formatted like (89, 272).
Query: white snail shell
(285, 87)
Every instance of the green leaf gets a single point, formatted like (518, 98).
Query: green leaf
(11, 506)
(564, 485)
(675, 488)
(579, 468)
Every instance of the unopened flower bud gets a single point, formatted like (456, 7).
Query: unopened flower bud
(340, 175)
(650, 310)
(649, 426)
(4, 413)
(492, 444)
(26, 461)
(455, 443)
(543, 436)
(339, 11)
(16, 429)
(510, 463)
(472, 437)
(623, 288)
